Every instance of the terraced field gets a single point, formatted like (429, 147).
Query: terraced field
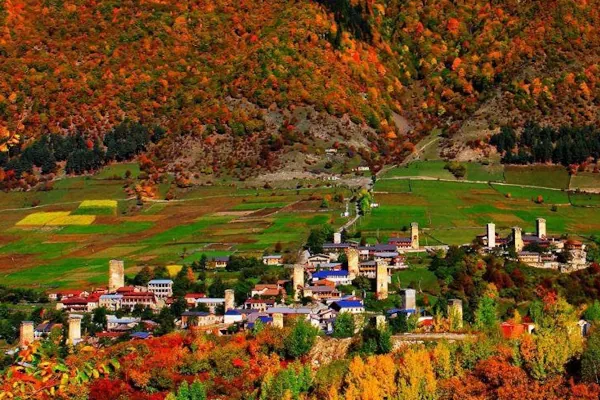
(85, 221)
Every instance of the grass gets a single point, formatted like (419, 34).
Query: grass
(97, 207)
(69, 243)
(455, 212)
(119, 170)
(434, 169)
(585, 180)
(585, 199)
(537, 175)
(488, 173)
(531, 194)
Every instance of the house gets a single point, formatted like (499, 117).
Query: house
(111, 302)
(218, 262)
(190, 298)
(262, 319)
(115, 324)
(65, 294)
(127, 289)
(145, 299)
(162, 288)
(335, 249)
(349, 306)
(233, 316)
(267, 290)
(511, 330)
(274, 259)
(315, 260)
(401, 243)
(529, 257)
(337, 277)
(73, 304)
(258, 304)
(93, 301)
(322, 292)
(45, 328)
(211, 303)
(329, 266)
(141, 335)
(199, 318)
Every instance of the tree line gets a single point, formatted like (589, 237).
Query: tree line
(80, 152)
(566, 145)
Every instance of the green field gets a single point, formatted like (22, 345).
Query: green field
(488, 173)
(585, 180)
(67, 240)
(433, 169)
(455, 212)
(537, 175)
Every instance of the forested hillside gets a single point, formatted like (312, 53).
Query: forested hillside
(230, 72)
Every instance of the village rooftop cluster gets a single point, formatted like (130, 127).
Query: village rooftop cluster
(313, 286)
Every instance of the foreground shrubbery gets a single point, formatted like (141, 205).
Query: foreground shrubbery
(273, 364)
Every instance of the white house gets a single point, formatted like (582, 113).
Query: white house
(162, 288)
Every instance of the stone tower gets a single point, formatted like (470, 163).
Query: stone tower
(517, 239)
(26, 335)
(491, 235)
(540, 228)
(455, 312)
(229, 299)
(278, 320)
(409, 300)
(381, 278)
(337, 237)
(74, 337)
(116, 275)
(298, 281)
(414, 235)
(352, 256)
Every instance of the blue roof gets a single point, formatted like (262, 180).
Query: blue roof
(400, 310)
(160, 281)
(140, 335)
(325, 274)
(233, 312)
(349, 304)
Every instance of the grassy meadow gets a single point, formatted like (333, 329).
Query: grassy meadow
(68, 239)
(453, 212)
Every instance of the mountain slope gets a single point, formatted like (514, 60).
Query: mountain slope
(84, 66)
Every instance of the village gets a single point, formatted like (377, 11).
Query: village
(312, 292)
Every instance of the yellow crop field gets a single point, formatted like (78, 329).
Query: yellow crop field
(96, 207)
(98, 204)
(174, 269)
(73, 220)
(55, 218)
(42, 218)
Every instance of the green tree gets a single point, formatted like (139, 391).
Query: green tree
(99, 317)
(399, 324)
(344, 326)
(144, 276)
(217, 288)
(166, 322)
(161, 272)
(590, 359)
(592, 313)
(300, 339)
(195, 391)
(485, 315)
